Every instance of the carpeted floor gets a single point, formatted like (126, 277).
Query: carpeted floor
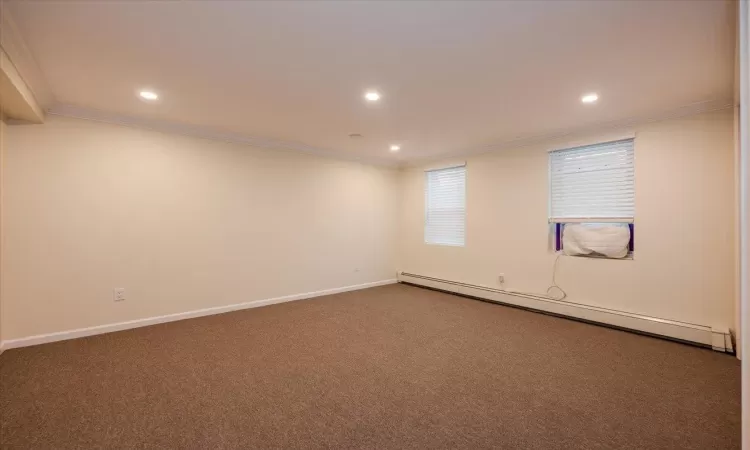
(389, 367)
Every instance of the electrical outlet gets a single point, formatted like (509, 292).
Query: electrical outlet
(119, 294)
(501, 278)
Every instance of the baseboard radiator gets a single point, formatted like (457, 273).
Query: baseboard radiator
(716, 338)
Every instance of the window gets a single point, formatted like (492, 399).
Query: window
(445, 206)
(593, 184)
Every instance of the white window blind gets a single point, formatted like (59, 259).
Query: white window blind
(593, 182)
(445, 206)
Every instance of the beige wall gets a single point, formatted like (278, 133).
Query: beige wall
(685, 223)
(180, 223)
(744, 178)
(185, 224)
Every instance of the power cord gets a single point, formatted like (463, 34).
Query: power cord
(554, 285)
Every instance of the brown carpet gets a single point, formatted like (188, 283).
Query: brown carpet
(389, 367)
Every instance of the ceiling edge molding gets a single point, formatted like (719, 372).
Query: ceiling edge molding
(18, 101)
(78, 112)
(15, 47)
(683, 111)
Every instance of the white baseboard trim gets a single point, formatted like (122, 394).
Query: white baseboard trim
(717, 338)
(101, 329)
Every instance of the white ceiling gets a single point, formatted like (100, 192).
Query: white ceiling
(455, 76)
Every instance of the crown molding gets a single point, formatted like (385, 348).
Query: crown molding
(18, 100)
(78, 112)
(12, 42)
(201, 132)
(609, 126)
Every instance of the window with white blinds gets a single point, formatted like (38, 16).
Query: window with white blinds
(593, 182)
(445, 206)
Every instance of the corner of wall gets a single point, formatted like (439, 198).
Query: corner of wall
(2, 179)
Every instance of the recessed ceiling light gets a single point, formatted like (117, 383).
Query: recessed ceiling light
(395, 148)
(149, 95)
(372, 96)
(590, 98)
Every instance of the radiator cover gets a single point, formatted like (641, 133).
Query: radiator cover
(718, 339)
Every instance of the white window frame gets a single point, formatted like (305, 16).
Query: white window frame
(627, 214)
(451, 230)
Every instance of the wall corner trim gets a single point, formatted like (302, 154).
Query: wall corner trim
(14, 44)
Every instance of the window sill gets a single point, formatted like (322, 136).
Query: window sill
(629, 257)
(437, 244)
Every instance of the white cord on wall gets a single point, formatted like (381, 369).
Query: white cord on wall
(552, 287)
